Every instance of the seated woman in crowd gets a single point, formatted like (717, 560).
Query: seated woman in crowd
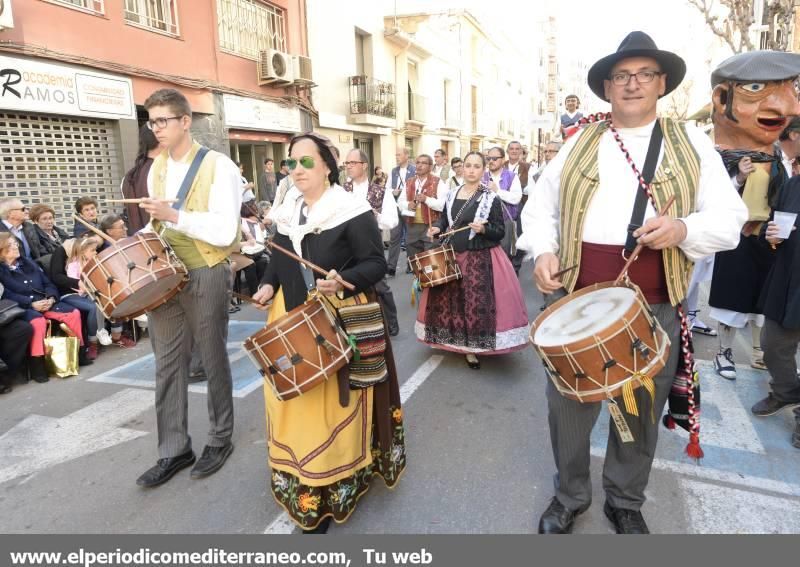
(86, 207)
(14, 338)
(25, 282)
(49, 235)
(65, 271)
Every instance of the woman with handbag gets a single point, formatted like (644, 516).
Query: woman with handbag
(484, 312)
(26, 283)
(326, 444)
(15, 334)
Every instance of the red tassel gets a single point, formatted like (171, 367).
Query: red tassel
(693, 449)
(669, 422)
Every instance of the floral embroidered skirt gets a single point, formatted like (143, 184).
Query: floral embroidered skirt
(322, 456)
(482, 313)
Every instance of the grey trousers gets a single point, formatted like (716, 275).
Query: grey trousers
(627, 465)
(416, 239)
(199, 315)
(386, 299)
(780, 348)
(395, 241)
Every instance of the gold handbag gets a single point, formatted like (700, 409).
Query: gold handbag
(61, 354)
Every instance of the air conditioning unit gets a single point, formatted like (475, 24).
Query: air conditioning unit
(302, 70)
(275, 68)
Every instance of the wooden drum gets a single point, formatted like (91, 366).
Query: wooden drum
(436, 266)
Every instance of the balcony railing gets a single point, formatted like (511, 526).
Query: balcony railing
(416, 108)
(371, 96)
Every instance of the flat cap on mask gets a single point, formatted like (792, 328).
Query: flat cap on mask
(757, 66)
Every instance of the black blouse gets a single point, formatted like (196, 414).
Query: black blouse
(354, 249)
(494, 229)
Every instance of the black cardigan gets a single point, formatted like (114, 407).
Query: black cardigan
(354, 249)
(494, 229)
(780, 296)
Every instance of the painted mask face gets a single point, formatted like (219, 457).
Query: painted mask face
(762, 109)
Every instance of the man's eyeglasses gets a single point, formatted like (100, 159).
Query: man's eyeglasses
(642, 77)
(161, 122)
(493, 158)
(348, 163)
(23, 209)
(306, 161)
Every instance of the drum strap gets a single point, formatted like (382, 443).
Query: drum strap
(640, 205)
(189, 179)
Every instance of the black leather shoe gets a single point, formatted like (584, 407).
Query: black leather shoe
(5, 388)
(394, 330)
(322, 527)
(626, 521)
(211, 460)
(557, 519)
(391, 272)
(165, 469)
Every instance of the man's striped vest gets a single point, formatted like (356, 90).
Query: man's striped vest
(678, 174)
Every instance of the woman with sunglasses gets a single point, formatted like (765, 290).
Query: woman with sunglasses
(484, 312)
(337, 231)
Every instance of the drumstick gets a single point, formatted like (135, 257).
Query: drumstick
(639, 247)
(249, 299)
(96, 230)
(137, 201)
(448, 233)
(560, 273)
(311, 265)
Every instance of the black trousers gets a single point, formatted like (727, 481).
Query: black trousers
(14, 340)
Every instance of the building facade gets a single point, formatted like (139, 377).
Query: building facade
(78, 71)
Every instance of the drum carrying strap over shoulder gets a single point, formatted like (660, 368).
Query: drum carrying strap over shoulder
(189, 179)
(640, 205)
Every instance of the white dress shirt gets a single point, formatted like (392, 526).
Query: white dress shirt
(713, 226)
(387, 218)
(437, 203)
(514, 193)
(220, 225)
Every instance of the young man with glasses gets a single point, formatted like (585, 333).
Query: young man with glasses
(203, 230)
(440, 167)
(385, 210)
(580, 214)
(420, 205)
(14, 219)
(457, 169)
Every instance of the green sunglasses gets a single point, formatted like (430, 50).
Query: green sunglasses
(306, 161)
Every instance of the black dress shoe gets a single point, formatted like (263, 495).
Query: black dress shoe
(391, 272)
(322, 527)
(5, 389)
(626, 521)
(557, 519)
(211, 460)
(165, 469)
(394, 330)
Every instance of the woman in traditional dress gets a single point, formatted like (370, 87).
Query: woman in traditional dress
(323, 455)
(484, 312)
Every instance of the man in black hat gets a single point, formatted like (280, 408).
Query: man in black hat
(755, 95)
(580, 215)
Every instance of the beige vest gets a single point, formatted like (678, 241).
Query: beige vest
(196, 200)
(678, 174)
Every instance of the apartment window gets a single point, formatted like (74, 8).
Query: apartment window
(158, 15)
(91, 6)
(247, 27)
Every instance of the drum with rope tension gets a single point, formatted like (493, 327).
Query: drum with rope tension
(436, 266)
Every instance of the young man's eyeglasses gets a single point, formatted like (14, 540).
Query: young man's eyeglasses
(306, 161)
(642, 77)
(493, 158)
(161, 122)
(348, 163)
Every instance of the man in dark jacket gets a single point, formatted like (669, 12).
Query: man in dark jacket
(780, 299)
(14, 219)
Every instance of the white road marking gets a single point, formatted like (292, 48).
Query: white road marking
(282, 524)
(716, 475)
(39, 442)
(119, 374)
(735, 428)
(714, 509)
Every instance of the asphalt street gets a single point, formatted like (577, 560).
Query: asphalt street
(479, 458)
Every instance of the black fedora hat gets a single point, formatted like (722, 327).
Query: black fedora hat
(637, 44)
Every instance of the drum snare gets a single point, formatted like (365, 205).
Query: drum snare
(436, 266)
